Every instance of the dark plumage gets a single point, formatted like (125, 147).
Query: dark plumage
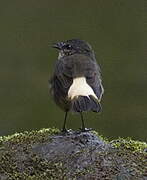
(76, 83)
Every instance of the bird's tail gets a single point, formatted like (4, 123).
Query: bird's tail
(84, 103)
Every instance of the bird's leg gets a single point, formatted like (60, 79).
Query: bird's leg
(83, 124)
(64, 124)
(83, 129)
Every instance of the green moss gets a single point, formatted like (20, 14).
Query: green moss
(29, 137)
(129, 144)
(105, 139)
(18, 146)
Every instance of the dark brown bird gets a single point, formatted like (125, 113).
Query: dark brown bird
(76, 84)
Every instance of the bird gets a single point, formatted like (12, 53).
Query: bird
(76, 83)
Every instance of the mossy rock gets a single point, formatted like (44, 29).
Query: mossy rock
(48, 154)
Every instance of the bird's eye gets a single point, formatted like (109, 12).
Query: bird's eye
(67, 46)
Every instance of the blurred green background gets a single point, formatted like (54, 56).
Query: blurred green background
(115, 29)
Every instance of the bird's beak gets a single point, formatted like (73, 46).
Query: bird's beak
(58, 45)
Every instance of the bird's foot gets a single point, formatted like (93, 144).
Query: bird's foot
(86, 129)
(65, 131)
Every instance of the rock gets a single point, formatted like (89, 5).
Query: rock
(69, 144)
(50, 154)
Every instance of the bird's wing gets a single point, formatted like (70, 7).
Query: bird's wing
(61, 80)
(63, 72)
(93, 78)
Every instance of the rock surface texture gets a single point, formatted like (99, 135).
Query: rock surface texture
(48, 154)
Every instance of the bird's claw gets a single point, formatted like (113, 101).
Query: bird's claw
(86, 129)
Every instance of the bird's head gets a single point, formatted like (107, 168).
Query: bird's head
(73, 46)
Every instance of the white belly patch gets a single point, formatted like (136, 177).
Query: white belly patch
(80, 87)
